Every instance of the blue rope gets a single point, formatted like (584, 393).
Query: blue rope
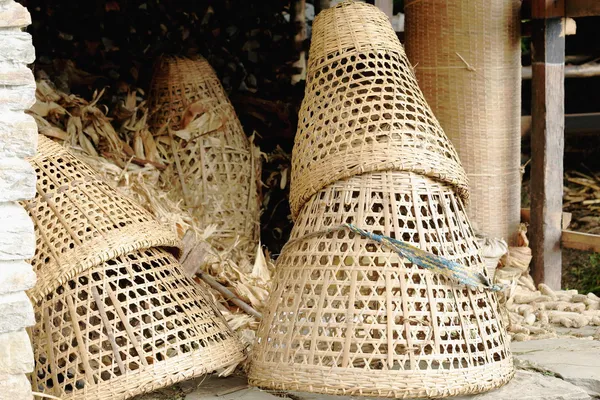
(439, 265)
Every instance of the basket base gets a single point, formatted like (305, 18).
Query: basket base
(393, 384)
(163, 374)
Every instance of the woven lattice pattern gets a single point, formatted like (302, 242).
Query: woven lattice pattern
(348, 315)
(80, 221)
(362, 110)
(468, 64)
(128, 326)
(215, 172)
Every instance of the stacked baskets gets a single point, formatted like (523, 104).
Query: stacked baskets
(115, 315)
(347, 315)
(214, 168)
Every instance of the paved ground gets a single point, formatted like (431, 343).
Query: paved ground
(552, 369)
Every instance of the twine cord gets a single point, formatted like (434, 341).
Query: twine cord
(437, 264)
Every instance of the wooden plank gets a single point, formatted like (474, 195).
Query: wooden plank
(547, 8)
(547, 147)
(582, 8)
(563, 8)
(581, 241)
(578, 125)
(571, 71)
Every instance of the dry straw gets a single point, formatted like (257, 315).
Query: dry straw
(347, 315)
(362, 110)
(468, 64)
(213, 168)
(115, 315)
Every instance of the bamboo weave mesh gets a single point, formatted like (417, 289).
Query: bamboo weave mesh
(468, 64)
(362, 110)
(130, 325)
(80, 221)
(349, 316)
(219, 167)
(115, 315)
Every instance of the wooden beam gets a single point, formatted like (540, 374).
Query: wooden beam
(571, 71)
(578, 125)
(582, 8)
(562, 8)
(581, 241)
(547, 144)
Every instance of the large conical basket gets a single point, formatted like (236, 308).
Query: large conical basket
(347, 315)
(115, 315)
(213, 168)
(363, 110)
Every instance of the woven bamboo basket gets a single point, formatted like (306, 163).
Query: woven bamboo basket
(115, 315)
(347, 314)
(363, 110)
(130, 325)
(468, 64)
(217, 166)
(350, 316)
(80, 221)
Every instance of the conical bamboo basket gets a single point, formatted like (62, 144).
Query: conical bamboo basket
(215, 170)
(363, 110)
(115, 315)
(80, 221)
(347, 314)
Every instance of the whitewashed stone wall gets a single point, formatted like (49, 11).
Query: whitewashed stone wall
(18, 139)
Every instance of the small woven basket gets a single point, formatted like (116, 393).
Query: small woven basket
(130, 325)
(115, 315)
(216, 170)
(363, 110)
(349, 316)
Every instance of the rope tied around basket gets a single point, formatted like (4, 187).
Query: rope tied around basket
(437, 264)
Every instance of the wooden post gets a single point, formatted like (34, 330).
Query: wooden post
(547, 140)
(387, 6)
(298, 18)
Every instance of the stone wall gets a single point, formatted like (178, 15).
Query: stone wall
(18, 139)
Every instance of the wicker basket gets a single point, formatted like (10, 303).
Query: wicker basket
(130, 325)
(362, 110)
(468, 63)
(116, 317)
(80, 221)
(218, 168)
(349, 316)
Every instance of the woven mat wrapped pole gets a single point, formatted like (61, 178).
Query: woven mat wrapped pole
(348, 314)
(213, 167)
(468, 64)
(115, 315)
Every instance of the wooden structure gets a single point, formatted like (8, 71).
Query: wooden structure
(547, 135)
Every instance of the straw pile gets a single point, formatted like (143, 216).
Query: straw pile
(373, 308)
(467, 59)
(124, 151)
